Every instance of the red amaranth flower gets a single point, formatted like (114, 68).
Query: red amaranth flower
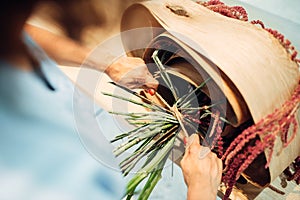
(282, 123)
(284, 42)
(238, 12)
(240, 154)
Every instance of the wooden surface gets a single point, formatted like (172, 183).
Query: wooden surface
(244, 52)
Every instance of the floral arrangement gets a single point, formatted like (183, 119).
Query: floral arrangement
(156, 131)
(245, 148)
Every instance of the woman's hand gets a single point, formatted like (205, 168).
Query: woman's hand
(202, 171)
(131, 72)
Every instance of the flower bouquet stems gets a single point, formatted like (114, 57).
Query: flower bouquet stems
(155, 132)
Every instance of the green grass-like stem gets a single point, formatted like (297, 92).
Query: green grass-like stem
(163, 73)
(185, 99)
(140, 96)
(145, 105)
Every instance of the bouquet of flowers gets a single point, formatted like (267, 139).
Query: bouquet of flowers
(255, 129)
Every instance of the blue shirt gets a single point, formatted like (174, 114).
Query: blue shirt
(41, 154)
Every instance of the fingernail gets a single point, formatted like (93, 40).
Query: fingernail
(185, 141)
(151, 92)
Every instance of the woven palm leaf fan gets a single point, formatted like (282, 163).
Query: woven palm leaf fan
(233, 82)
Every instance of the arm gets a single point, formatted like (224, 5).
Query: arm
(127, 71)
(202, 175)
(63, 50)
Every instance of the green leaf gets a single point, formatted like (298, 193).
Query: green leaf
(140, 96)
(185, 99)
(155, 176)
(164, 74)
(133, 183)
(123, 147)
(145, 105)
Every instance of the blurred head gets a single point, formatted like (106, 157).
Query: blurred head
(9, 6)
(14, 13)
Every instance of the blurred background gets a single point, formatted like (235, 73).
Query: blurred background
(86, 21)
(91, 21)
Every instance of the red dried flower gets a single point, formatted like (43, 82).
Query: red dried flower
(240, 154)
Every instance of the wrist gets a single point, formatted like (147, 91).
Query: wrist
(198, 191)
(101, 63)
(108, 69)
